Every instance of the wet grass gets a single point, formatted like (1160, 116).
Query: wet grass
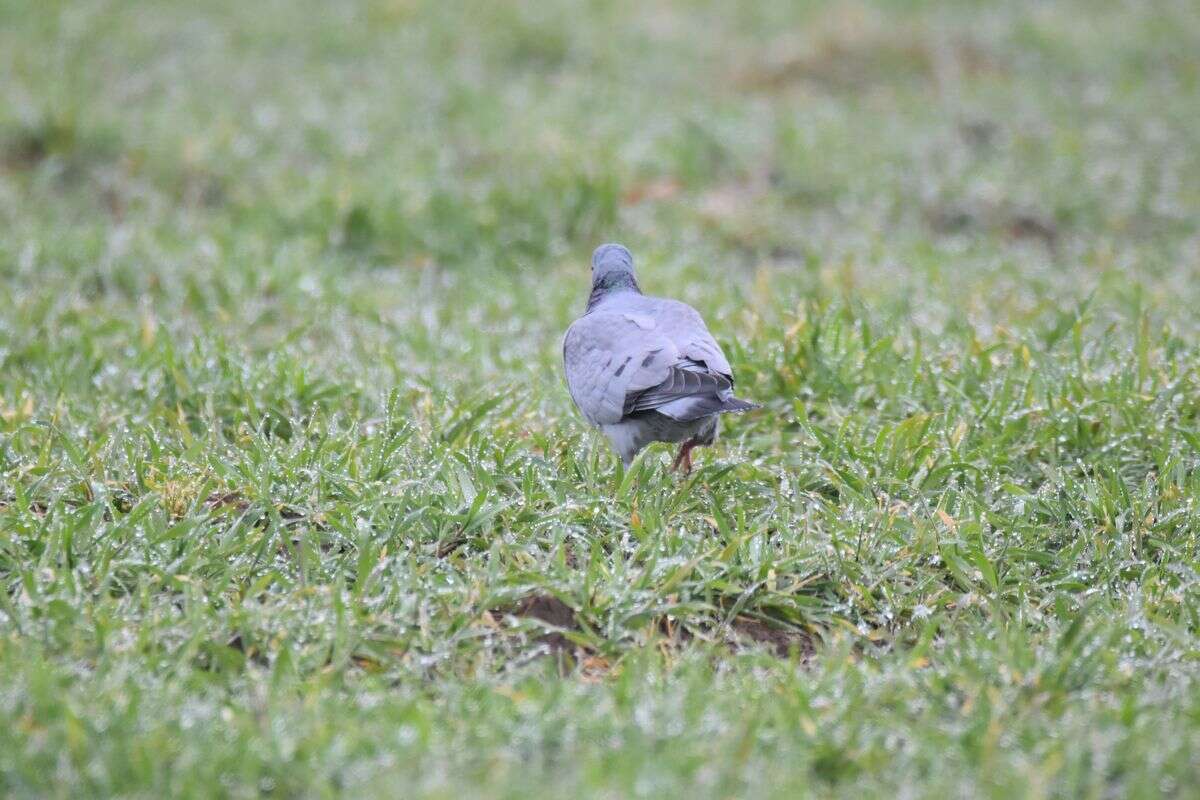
(293, 500)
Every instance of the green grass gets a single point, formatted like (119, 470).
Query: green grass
(293, 500)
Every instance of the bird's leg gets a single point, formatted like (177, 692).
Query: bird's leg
(684, 457)
(683, 448)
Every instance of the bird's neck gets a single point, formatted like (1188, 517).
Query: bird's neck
(608, 285)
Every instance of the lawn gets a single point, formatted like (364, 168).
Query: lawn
(294, 502)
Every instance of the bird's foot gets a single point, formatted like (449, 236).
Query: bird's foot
(684, 458)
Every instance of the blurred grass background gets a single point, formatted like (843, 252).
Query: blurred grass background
(293, 500)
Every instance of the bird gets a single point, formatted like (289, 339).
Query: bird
(645, 369)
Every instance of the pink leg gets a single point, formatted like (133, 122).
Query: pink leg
(684, 458)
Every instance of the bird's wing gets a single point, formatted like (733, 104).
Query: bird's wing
(686, 379)
(610, 355)
(684, 326)
(701, 382)
(656, 354)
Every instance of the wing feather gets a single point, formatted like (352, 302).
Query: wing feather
(681, 382)
(654, 354)
(606, 357)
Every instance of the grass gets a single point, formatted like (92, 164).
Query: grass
(293, 500)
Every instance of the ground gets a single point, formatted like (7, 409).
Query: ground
(293, 500)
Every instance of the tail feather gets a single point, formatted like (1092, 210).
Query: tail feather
(737, 404)
(689, 408)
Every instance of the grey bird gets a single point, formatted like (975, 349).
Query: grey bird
(645, 369)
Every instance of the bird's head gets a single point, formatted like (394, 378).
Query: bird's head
(611, 260)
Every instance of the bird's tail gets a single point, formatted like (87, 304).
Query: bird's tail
(693, 407)
(737, 404)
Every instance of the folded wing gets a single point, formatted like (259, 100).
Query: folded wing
(619, 364)
(608, 356)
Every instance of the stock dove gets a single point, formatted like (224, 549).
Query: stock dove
(645, 369)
